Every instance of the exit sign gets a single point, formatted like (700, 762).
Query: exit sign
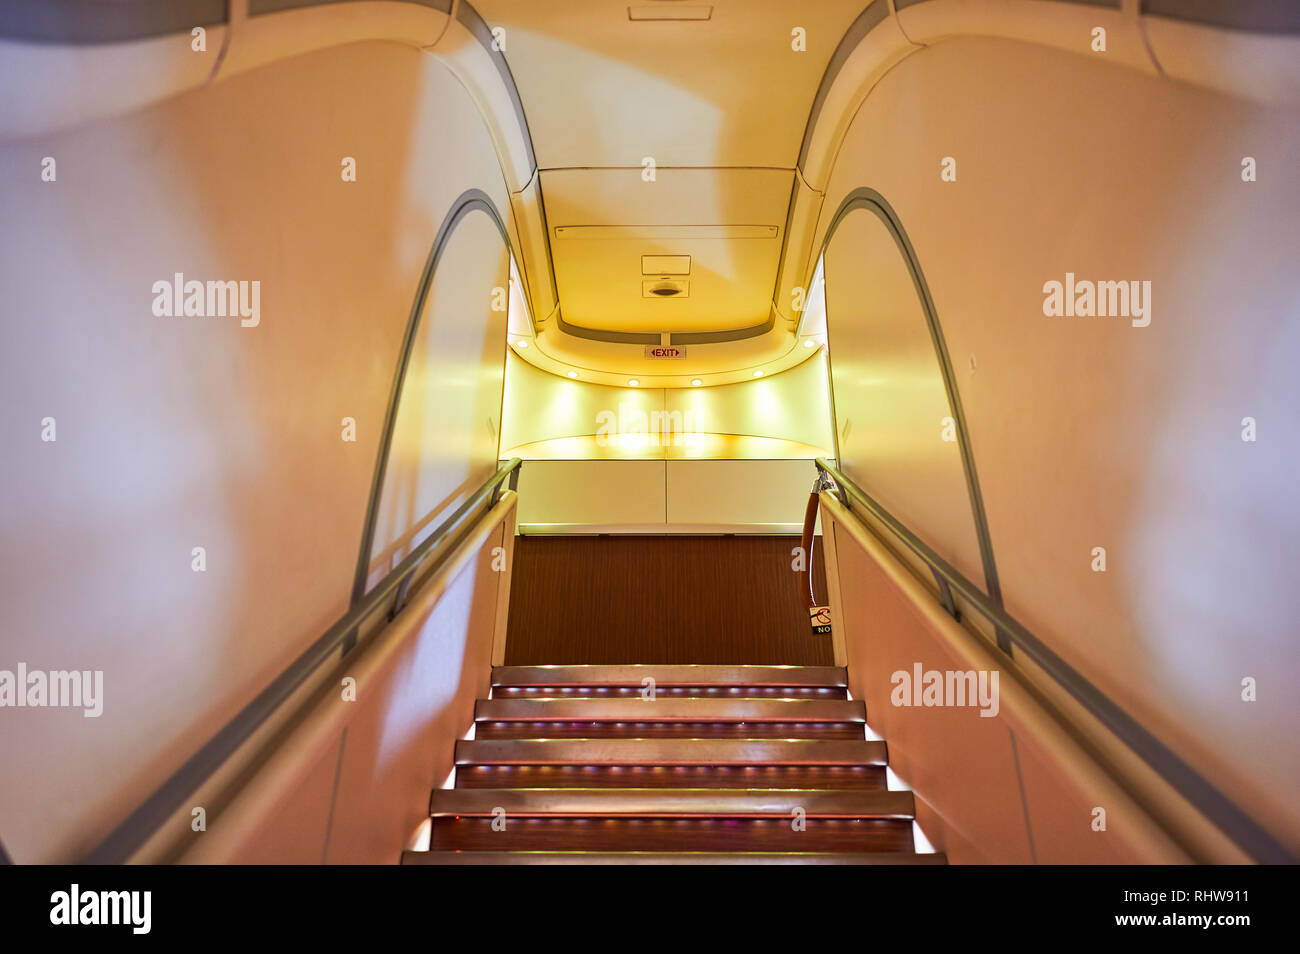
(664, 351)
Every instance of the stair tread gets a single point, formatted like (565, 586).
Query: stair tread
(673, 709)
(686, 833)
(670, 803)
(851, 777)
(833, 676)
(719, 768)
(670, 858)
(604, 691)
(671, 752)
(847, 731)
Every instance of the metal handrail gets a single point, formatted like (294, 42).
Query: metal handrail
(1213, 804)
(430, 555)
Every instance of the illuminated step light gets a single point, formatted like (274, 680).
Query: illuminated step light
(521, 343)
(632, 382)
(573, 374)
(809, 343)
(758, 374)
(696, 382)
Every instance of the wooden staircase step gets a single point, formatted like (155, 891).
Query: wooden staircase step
(851, 835)
(726, 765)
(781, 804)
(632, 751)
(745, 676)
(668, 858)
(829, 777)
(669, 710)
(664, 692)
(670, 730)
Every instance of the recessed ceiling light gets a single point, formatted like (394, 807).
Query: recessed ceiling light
(758, 374)
(573, 374)
(633, 383)
(809, 343)
(521, 343)
(696, 382)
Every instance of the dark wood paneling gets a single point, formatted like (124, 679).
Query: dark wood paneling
(667, 600)
(671, 834)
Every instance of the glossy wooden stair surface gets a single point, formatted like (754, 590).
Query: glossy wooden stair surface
(669, 709)
(673, 803)
(669, 858)
(631, 750)
(845, 731)
(824, 777)
(715, 676)
(724, 765)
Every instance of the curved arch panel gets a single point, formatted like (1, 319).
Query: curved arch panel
(898, 430)
(441, 429)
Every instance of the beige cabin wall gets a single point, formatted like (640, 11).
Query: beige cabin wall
(176, 433)
(995, 784)
(1090, 432)
(349, 782)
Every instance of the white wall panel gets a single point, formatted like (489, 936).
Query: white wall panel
(658, 496)
(572, 495)
(768, 494)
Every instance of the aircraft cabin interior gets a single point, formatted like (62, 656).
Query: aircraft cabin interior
(655, 432)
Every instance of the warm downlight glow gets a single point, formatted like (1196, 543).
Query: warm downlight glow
(633, 383)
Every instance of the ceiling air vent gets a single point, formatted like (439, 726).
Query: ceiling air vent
(665, 288)
(671, 12)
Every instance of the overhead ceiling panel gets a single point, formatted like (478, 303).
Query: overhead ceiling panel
(603, 89)
(711, 239)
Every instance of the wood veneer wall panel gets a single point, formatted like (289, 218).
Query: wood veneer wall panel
(668, 600)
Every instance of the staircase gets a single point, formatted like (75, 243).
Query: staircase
(725, 765)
